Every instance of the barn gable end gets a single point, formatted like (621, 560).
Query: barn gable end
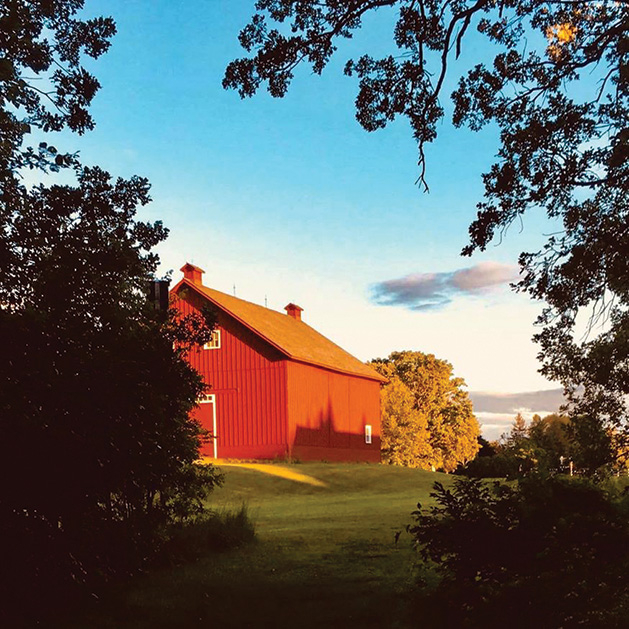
(248, 424)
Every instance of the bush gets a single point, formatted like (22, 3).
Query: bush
(551, 552)
(500, 465)
(211, 531)
(58, 562)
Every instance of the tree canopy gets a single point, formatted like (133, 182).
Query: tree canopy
(405, 438)
(97, 445)
(427, 417)
(552, 444)
(556, 89)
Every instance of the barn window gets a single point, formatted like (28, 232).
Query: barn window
(367, 433)
(215, 341)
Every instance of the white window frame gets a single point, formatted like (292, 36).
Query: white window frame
(207, 398)
(215, 341)
(368, 434)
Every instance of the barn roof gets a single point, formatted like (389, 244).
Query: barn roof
(290, 335)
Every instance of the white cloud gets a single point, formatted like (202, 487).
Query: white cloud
(431, 291)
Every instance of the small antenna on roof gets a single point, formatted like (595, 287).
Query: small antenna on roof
(266, 305)
(234, 290)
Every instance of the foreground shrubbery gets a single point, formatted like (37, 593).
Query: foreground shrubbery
(212, 531)
(549, 552)
(57, 562)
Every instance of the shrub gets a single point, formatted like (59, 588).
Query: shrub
(57, 562)
(500, 465)
(211, 531)
(550, 552)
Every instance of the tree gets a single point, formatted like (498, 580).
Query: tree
(550, 444)
(550, 435)
(590, 445)
(550, 432)
(521, 452)
(557, 90)
(405, 436)
(97, 445)
(439, 404)
(548, 441)
(518, 433)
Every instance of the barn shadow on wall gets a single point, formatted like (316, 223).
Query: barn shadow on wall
(339, 444)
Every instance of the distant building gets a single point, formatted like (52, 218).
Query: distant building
(278, 387)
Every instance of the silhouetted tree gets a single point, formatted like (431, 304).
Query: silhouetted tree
(519, 432)
(552, 444)
(557, 90)
(96, 443)
(590, 445)
(550, 436)
(487, 448)
(547, 552)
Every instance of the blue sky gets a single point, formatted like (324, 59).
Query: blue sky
(291, 200)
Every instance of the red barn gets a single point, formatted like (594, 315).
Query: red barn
(278, 387)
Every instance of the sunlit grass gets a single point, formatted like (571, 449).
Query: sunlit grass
(284, 471)
(324, 556)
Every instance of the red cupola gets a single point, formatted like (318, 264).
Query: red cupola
(192, 273)
(293, 310)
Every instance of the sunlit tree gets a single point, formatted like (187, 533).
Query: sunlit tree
(440, 406)
(405, 436)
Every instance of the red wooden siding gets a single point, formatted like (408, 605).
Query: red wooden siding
(327, 414)
(248, 377)
(269, 405)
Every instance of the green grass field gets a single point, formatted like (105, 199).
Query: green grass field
(324, 557)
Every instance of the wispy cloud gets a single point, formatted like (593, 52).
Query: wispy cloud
(496, 411)
(430, 291)
(516, 402)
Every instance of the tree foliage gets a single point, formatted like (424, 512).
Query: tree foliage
(551, 433)
(552, 444)
(97, 446)
(521, 453)
(427, 418)
(548, 552)
(556, 89)
(405, 436)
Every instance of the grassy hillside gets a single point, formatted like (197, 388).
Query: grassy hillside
(325, 556)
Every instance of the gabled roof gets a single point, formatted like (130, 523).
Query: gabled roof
(296, 339)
